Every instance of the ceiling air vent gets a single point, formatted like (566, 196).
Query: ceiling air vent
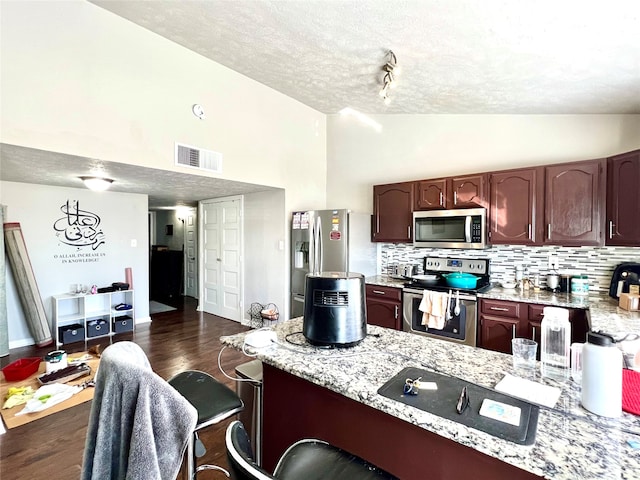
(189, 156)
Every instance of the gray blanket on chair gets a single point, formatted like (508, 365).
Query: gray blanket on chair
(139, 424)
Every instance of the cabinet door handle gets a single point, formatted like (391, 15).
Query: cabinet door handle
(455, 198)
(441, 200)
(529, 231)
(513, 329)
(549, 231)
(396, 312)
(408, 231)
(610, 229)
(379, 292)
(499, 309)
(533, 337)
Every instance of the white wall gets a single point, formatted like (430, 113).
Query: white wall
(56, 265)
(413, 147)
(80, 80)
(265, 231)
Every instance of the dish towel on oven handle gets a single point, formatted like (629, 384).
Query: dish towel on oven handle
(434, 306)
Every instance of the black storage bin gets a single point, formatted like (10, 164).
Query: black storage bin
(123, 324)
(96, 328)
(71, 333)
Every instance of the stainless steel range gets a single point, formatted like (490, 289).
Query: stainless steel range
(460, 316)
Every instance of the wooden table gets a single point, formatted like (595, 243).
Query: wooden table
(9, 415)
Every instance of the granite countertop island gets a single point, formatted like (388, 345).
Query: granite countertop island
(570, 444)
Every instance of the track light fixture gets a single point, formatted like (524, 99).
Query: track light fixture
(391, 71)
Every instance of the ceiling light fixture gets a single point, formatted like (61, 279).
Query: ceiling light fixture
(391, 71)
(97, 184)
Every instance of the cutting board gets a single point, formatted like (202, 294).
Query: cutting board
(442, 402)
(9, 415)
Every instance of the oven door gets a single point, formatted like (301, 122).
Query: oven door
(459, 328)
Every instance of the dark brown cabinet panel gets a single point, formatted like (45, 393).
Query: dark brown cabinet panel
(515, 199)
(455, 192)
(392, 212)
(496, 333)
(384, 306)
(502, 320)
(432, 194)
(469, 191)
(623, 200)
(574, 201)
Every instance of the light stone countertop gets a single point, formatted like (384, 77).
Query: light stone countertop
(571, 443)
(604, 313)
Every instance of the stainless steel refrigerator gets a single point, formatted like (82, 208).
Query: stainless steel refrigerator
(328, 241)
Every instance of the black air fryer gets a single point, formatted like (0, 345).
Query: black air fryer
(334, 309)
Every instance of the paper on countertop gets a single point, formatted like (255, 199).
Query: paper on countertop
(528, 390)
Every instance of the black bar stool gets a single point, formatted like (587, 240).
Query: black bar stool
(214, 402)
(306, 459)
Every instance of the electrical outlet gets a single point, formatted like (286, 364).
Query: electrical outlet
(553, 262)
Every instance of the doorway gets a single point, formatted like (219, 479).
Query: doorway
(190, 253)
(221, 259)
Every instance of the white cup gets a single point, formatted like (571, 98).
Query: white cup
(524, 352)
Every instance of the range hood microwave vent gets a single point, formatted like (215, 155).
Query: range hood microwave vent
(188, 156)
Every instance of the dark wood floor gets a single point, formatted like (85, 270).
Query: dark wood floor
(51, 448)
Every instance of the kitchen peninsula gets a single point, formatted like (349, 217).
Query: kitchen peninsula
(332, 394)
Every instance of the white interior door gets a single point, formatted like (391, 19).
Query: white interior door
(191, 250)
(222, 258)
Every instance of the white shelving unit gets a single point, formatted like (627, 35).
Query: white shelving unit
(83, 317)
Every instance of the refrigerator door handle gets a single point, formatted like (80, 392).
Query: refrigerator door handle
(319, 246)
(312, 248)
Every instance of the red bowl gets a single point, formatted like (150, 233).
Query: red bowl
(21, 369)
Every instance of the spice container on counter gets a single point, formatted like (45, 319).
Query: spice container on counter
(580, 285)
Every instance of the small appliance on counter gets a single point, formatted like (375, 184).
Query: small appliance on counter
(624, 275)
(334, 309)
(403, 270)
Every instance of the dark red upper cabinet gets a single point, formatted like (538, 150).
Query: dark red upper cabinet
(454, 192)
(515, 199)
(623, 200)
(468, 191)
(392, 213)
(432, 194)
(574, 203)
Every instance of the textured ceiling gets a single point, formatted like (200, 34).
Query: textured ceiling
(457, 56)
(164, 188)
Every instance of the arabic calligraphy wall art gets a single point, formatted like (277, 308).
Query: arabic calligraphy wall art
(80, 230)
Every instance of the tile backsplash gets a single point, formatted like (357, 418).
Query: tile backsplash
(596, 262)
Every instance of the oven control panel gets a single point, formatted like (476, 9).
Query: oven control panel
(478, 266)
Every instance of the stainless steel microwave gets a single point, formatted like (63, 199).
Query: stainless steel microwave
(459, 228)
